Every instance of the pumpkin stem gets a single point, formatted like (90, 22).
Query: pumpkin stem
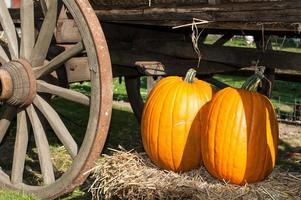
(190, 75)
(253, 81)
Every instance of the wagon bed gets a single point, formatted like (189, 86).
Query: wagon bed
(276, 15)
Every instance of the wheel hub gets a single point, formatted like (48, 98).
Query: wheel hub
(18, 83)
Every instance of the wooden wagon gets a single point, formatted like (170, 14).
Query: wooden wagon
(48, 44)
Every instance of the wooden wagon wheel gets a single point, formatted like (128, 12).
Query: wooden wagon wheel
(22, 67)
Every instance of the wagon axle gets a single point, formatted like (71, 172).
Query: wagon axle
(18, 83)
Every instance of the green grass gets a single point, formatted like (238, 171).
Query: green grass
(237, 42)
(278, 44)
(284, 95)
(10, 195)
(119, 90)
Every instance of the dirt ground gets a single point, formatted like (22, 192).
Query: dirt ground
(291, 134)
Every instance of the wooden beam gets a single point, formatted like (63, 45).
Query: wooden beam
(127, 33)
(142, 3)
(285, 11)
(77, 69)
(235, 56)
(162, 28)
(214, 2)
(277, 28)
(121, 33)
(126, 71)
(170, 65)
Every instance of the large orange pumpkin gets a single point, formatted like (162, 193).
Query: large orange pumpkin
(240, 136)
(170, 126)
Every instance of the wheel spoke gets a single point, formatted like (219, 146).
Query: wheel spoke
(27, 28)
(59, 60)
(42, 146)
(5, 121)
(4, 178)
(57, 125)
(44, 6)
(9, 30)
(3, 57)
(20, 148)
(46, 33)
(68, 94)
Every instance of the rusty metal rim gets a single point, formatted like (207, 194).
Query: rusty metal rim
(106, 98)
(106, 95)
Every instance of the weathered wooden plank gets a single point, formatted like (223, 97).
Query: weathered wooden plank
(275, 27)
(141, 3)
(78, 69)
(228, 55)
(288, 11)
(119, 33)
(171, 65)
(244, 1)
(287, 75)
(214, 2)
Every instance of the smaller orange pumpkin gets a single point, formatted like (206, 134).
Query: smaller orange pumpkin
(240, 136)
(170, 127)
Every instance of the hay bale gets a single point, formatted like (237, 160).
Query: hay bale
(131, 175)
